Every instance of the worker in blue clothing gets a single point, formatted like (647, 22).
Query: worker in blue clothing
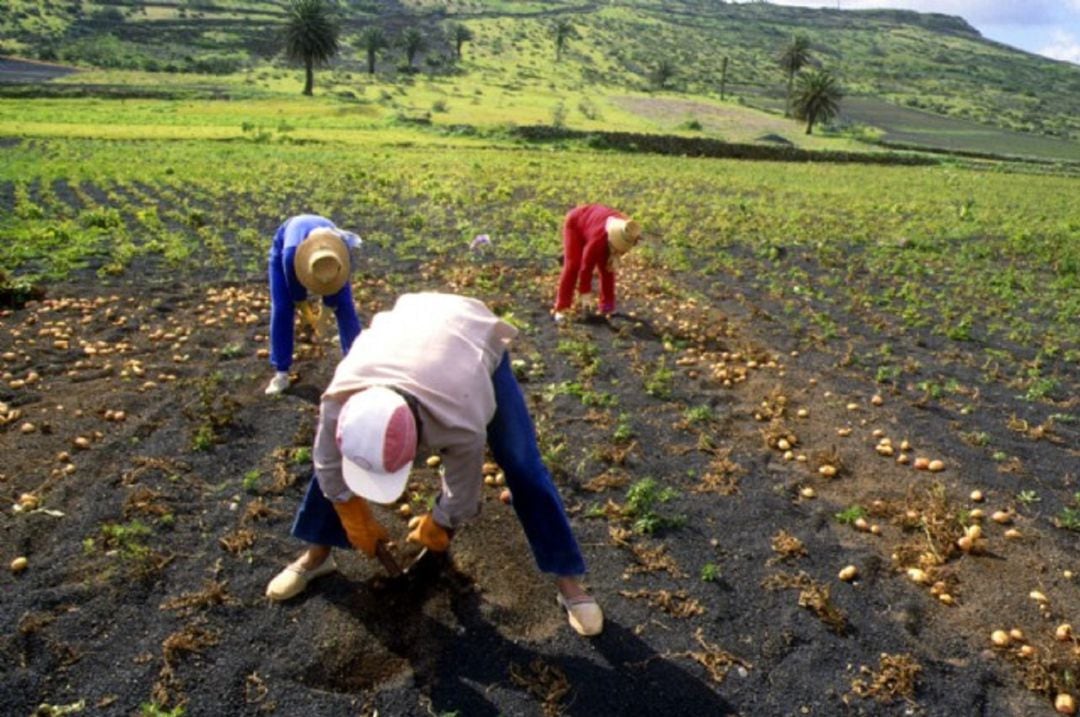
(309, 259)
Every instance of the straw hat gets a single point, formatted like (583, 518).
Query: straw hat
(322, 262)
(622, 234)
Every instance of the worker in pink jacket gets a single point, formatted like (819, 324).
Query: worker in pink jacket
(431, 374)
(594, 236)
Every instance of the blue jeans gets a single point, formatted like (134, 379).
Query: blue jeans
(539, 508)
(512, 440)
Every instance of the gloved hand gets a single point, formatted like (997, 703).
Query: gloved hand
(430, 534)
(310, 313)
(363, 531)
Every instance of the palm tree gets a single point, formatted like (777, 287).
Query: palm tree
(373, 40)
(311, 36)
(460, 35)
(413, 42)
(723, 78)
(664, 71)
(563, 32)
(793, 58)
(817, 98)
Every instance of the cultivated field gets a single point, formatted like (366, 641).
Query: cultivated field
(726, 446)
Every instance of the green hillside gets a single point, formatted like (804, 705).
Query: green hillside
(929, 62)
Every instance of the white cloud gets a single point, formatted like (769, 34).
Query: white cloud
(1064, 46)
(1029, 12)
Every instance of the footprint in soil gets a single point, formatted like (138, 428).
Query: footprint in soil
(432, 623)
(636, 327)
(305, 392)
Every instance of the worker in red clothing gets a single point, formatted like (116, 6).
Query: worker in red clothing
(594, 236)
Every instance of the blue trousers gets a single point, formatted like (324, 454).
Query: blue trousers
(283, 315)
(512, 439)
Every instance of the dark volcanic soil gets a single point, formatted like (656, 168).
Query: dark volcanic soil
(149, 547)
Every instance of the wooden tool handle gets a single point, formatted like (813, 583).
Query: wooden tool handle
(387, 559)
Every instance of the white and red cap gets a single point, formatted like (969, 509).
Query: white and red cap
(376, 433)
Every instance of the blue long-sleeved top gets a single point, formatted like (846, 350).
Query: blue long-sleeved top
(286, 290)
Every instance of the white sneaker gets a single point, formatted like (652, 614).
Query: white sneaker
(278, 383)
(559, 317)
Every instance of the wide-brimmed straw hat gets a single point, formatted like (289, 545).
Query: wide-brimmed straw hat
(322, 262)
(376, 433)
(622, 234)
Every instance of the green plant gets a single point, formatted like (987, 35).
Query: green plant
(699, 415)
(213, 411)
(850, 514)
(975, 438)
(231, 351)
(643, 500)
(887, 374)
(624, 431)
(1040, 388)
(251, 480)
(1069, 519)
(658, 383)
(710, 572)
(1028, 497)
(301, 455)
(583, 353)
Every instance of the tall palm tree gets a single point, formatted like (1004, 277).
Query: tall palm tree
(663, 72)
(373, 40)
(817, 98)
(311, 36)
(413, 42)
(460, 34)
(563, 31)
(792, 59)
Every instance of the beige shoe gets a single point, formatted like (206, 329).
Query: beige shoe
(292, 581)
(584, 614)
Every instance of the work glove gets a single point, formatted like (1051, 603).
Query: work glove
(363, 531)
(430, 534)
(311, 312)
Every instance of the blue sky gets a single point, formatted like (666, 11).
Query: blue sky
(1045, 27)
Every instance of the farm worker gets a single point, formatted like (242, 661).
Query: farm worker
(432, 374)
(594, 237)
(309, 259)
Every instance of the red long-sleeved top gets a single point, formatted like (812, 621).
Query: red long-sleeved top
(585, 248)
